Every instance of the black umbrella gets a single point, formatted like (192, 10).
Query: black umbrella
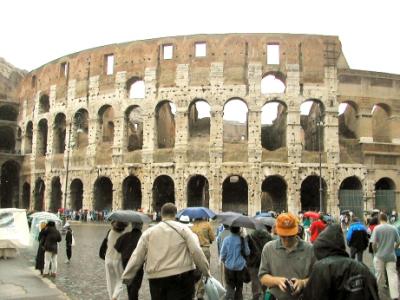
(239, 220)
(129, 216)
(267, 221)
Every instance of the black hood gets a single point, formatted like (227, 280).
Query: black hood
(330, 242)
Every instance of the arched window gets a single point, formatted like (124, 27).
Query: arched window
(351, 196)
(28, 138)
(199, 120)
(59, 133)
(163, 192)
(235, 120)
(235, 194)
(134, 128)
(80, 131)
(273, 194)
(165, 124)
(42, 138)
(136, 88)
(197, 191)
(103, 194)
(347, 120)
(312, 123)
(310, 195)
(8, 113)
(273, 125)
(380, 123)
(106, 119)
(44, 104)
(272, 84)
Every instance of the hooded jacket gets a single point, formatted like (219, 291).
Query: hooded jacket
(335, 276)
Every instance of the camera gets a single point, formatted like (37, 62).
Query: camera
(289, 286)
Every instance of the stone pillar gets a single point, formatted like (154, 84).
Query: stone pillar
(294, 190)
(254, 136)
(147, 189)
(120, 85)
(181, 135)
(118, 145)
(254, 189)
(364, 128)
(395, 125)
(216, 135)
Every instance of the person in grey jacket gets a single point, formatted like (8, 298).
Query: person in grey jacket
(51, 238)
(170, 253)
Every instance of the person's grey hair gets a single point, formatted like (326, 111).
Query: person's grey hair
(168, 210)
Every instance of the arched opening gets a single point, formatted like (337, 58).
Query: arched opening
(165, 124)
(42, 138)
(44, 104)
(272, 83)
(106, 119)
(26, 196)
(163, 192)
(56, 195)
(197, 191)
(274, 194)
(235, 121)
(136, 88)
(132, 193)
(9, 183)
(312, 124)
(103, 194)
(347, 120)
(59, 133)
(76, 194)
(134, 128)
(351, 196)
(80, 129)
(28, 138)
(8, 113)
(273, 125)
(385, 195)
(39, 195)
(235, 194)
(310, 194)
(7, 142)
(199, 120)
(381, 123)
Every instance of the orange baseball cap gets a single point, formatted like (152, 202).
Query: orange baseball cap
(287, 225)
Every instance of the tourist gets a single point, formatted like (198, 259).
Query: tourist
(171, 253)
(233, 252)
(317, 227)
(385, 239)
(113, 262)
(40, 251)
(357, 239)
(69, 239)
(51, 239)
(336, 276)
(286, 262)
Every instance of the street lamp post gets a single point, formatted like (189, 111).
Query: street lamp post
(320, 123)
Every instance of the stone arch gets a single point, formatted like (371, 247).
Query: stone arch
(81, 129)
(165, 124)
(76, 194)
(26, 196)
(235, 194)
(103, 194)
(59, 132)
(56, 195)
(235, 120)
(198, 191)
(134, 127)
(132, 193)
(9, 183)
(273, 125)
(106, 120)
(7, 135)
(38, 193)
(381, 123)
(28, 137)
(348, 111)
(8, 113)
(351, 195)
(163, 192)
(42, 138)
(273, 83)
(44, 104)
(310, 193)
(385, 195)
(136, 88)
(311, 120)
(199, 120)
(274, 194)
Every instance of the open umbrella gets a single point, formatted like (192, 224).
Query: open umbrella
(311, 214)
(265, 214)
(196, 213)
(129, 216)
(238, 220)
(267, 221)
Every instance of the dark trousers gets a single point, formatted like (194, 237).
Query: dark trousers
(358, 254)
(234, 284)
(134, 287)
(69, 252)
(176, 287)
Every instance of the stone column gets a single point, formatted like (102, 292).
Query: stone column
(118, 146)
(395, 125)
(254, 136)
(364, 128)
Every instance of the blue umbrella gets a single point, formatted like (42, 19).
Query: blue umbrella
(265, 214)
(196, 213)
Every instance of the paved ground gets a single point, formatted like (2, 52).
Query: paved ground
(84, 277)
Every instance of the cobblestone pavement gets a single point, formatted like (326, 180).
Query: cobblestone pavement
(84, 277)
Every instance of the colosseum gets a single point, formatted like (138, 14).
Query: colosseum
(240, 122)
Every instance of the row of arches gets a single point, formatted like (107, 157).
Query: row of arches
(234, 193)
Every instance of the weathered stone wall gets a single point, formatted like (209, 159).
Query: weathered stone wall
(312, 67)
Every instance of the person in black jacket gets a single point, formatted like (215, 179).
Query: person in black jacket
(51, 239)
(335, 276)
(68, 241)
(40, 251)
(125, 245)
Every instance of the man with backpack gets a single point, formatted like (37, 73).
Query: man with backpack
(357, 239)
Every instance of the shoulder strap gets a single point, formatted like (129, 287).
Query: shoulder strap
(175, 230)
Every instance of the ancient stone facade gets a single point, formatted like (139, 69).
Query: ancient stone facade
(119, 126)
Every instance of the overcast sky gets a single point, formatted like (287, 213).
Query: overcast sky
(34, 32)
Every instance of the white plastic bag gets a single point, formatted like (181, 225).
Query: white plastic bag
(214, 289)
(73, 241)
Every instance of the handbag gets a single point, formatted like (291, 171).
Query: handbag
(245, 272)
(103, 247)
(73, 241)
